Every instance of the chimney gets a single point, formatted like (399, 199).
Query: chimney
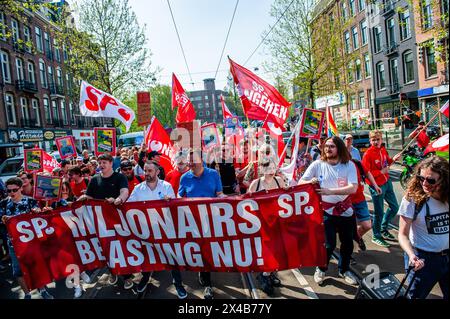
(209, 84)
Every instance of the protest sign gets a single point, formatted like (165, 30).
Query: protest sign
(66, 147)
(210, 136)
(311, 124)
(47, 187)
(277, 230)
(33, 160)
(144, 108)
(105, 141)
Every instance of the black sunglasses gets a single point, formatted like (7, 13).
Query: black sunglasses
(14, 190)
(430, 181)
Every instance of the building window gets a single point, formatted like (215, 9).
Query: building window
(431, 62)
(39, 44)
(6, 72)
(381, 80)
(47, 43)
(350, 73)
(15, 30)
(408, 66)
(347, 42)
(71, 113)
(362, 5)
(24, 109)
(2, 26)
(390, 26)
(362, 100)
(367, 65)
(36, 113)
(42, 74)
(200, 113)
(208, 113)
(47, 111)
(358, 72)
(57, 54)
(59, 77)
(55, 111)
(10, 109)
(65, 56)
(353, 105)
(27, 38)
(363, 26)
(51, 77)
(394, 74)
(64, 113)
(427, 14)
(355, 38)
(19, 69)
(31, 77)
(377, 38)
(352, 7)
(344, 9)
(405, 25)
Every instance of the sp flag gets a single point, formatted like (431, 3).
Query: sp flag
(261, 101)
(186, 112)
(157, 139)
(96, 103)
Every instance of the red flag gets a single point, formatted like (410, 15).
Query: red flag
(444, 109)
(186, 112)
(158, 140)
(225, 111)
(276, 131)
(259, 99)
(50, 163)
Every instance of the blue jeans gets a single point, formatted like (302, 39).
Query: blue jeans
(381, 219)
(345, 228)
(16, 271)
(435, 271)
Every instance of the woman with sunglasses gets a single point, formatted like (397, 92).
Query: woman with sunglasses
(424, 224)
(268, 181)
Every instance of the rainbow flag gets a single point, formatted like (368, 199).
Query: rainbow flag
(331, 126)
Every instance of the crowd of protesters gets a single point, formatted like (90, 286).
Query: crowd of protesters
(135, 174)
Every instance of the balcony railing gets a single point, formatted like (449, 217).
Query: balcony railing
(26, 86)
(391, 48)
(56, 89)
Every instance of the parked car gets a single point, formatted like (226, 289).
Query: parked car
(10, 167)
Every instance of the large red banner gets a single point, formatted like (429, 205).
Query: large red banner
(264, 232)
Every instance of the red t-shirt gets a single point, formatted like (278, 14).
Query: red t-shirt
(423, 140)
(77, 189)
(173, 178)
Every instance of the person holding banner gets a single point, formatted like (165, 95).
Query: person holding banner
(154, 189)
(268, 181)
(108, 185)
(17, 204)
(337, 177)
(201, 181)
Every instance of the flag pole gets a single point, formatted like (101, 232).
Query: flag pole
(425, 126)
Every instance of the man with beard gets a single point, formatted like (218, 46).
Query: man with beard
(126, 168)
(337, 177)
(154, 189)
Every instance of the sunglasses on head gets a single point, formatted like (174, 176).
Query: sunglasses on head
(430, 181)
(13, 190)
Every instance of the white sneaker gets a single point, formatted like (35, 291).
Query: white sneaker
(78, 292)
(349, 277)
(85, 277)
(319, 276)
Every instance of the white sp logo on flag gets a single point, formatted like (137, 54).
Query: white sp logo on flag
(182, 99)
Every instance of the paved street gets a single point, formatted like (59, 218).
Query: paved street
(297, 283)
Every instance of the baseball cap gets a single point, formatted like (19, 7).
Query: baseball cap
(348, 136)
